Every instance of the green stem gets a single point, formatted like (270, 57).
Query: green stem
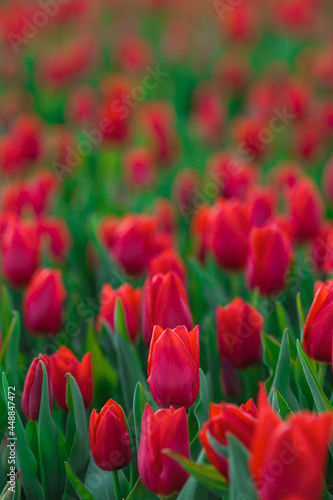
(322, 367)
(116, 485)
(131, 475)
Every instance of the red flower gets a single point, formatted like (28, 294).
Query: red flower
(173, 366)
(64, 361)
(306, 209)
(164, 303)
(57, 233)
(165, 429)
(43, 302)
(239, 328)
(108, 437)
(228, 418)
(32, 390)
(167, 261)
(139, 170)
(131, 301)
(268, 260)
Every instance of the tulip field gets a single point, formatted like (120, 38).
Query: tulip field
(166, 249)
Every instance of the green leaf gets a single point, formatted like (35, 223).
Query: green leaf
(140, 492)
(201, 405)
(77, 485)
(10, 348)
(119, 320)
(5, 310)
(192, 488)
(240, 483)
(50, 445)
(207, 475)
(280, 405)
(24, 457)
(300, 313)
(320, 399)
(77, 431)
(281, 379)
(271, 351)
(139, 403)
(7, 494)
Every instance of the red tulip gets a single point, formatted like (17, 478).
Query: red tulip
(167, 261)
(165, 429)
(262, 201)
(19, 252)
(58, 235)
(32, 390)
(185, 189)
(239, 328)
(108, 437)
(134, 53)
(322, 247)
(64, 361)
(268, 260)
(207, 114)
(131, 301)
(164, 303)
(229, 226)
(317, 334)
(43, 302)
(27, 137)
(228, 418)
(173, 366)
(200, 230)
(289, 457)
(139, 170)
(306, 209)
(327, 180)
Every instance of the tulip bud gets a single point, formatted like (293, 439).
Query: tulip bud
(164, 303)
(57, 232)
(167, 261)
(165, 429)
(229, 227)
(268, 260)
(306, 209)
(227, 418)
(173, 366)
(19, 252)
(64, 361)
(317, 334)
(43, 302)
(32, 390)
(131, 302)
(239, 329)
(108, 437)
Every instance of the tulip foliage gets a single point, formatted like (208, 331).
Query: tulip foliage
(166, 250)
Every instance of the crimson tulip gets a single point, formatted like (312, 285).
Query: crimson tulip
(173, 366)
(268, 260)
(164, 303)
(228, 418)
(131, 301)
(43, 302)
(306, 209)
(64, 361)
(166, 261)
(108, 437)
(317, 334)
(165, 429)
(139, 169)
(229, 226)
(239, 328)
(32, 389)
(19, 252)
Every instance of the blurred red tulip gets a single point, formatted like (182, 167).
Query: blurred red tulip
(139, 169)
(43, 303)
(165, 429)
(64, 361)
(32, 390)
(57, 233)
(164, 303)
(167, 261)
(131, 302)
(306, 209)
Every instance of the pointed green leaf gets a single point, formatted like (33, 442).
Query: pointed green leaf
(240, 483)
(140, 492)
(77, 485)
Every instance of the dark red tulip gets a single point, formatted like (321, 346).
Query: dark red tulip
(130, 299)
(239, 327)
(268, 260)
(32, 390)
(165, 429)
(229, 227)
(43, 302)
(19, 252)
(64, 361)
(262, 201)
(306, 209)
(164, 303)
(108, 437)
(173, 366)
